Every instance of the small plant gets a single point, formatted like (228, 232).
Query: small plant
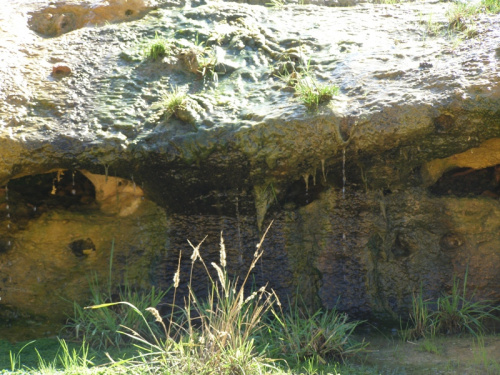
(172, 102)
(456, 313)
(312, 93)
(100, 328)
(320, 337)
(421, 319)
(15, 358)
(429, 346)
(276, 4)
(158, 48)
(72, 361)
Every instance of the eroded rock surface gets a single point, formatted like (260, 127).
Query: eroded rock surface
(371, 193)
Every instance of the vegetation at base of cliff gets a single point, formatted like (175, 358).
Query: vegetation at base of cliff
(232, 331)
(452, 313)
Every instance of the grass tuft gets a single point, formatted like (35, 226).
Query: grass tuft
(158, 48)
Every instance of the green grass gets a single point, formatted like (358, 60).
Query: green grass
(101, 328)
(461, 14)
(172, 102)
(158, 48)
(233, 331)
(311, 92)
(452, 313)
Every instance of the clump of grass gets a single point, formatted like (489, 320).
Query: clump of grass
(421, 320)
(461, 14)
(454, 313)
(101, 328)
(429, 346)
(311, 92)
(215, 336)
(172, 102)
(158, 48)
(276, 4)
(319, 337)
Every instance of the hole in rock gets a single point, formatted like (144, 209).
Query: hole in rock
(129, 12)
(82, 247)
(467, 182)
(30, 196)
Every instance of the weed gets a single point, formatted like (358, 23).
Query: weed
(276, 4)
(215, 336)
(15, 358)
(319, 337)
(456, 313)
(421, 319)
(429, 346)
(312, 93)
(72, 361)
(158, 48)
(100, 328)
(488, 365)
(172, 102)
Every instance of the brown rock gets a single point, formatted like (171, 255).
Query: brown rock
(61, 70)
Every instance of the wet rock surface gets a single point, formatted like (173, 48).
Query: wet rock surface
(362, 218)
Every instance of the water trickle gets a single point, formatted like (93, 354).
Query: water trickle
(240, 249)
(106, 170)
(323, 169)
(314, 177)
(306, 180)
(343, 174)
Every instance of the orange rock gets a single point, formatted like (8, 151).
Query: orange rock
(61, 69)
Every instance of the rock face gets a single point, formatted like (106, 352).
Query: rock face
(392, 185)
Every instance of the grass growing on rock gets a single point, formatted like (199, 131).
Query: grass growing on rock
(158, 48)
(311, 92)
(172, 102)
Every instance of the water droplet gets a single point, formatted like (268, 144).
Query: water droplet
(9, 243)
(7, 207)
(73, 191)
(34, 208)
(8, 215)
(8, 226)
(343, 236)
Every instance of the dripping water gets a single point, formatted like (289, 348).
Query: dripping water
(73, 190)
(240, 251)
(7, 207)
(306, 180)
(344, 236)
(343, 173)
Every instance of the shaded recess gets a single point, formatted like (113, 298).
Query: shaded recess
(60, 189)
(468, 182)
